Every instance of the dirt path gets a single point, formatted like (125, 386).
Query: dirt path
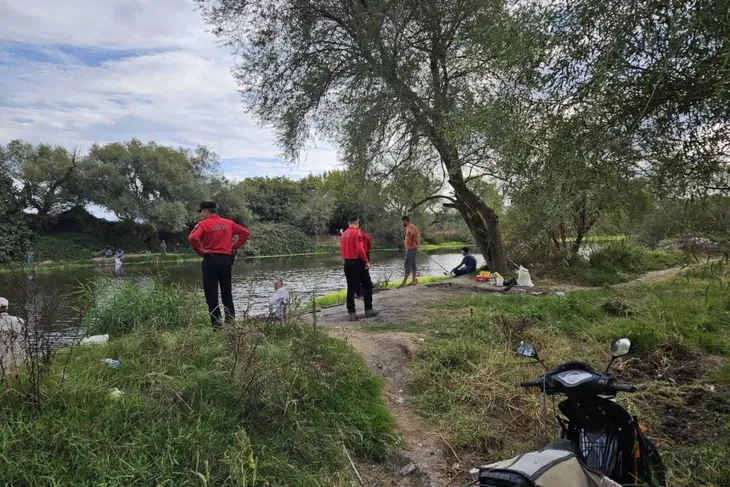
(388, 354)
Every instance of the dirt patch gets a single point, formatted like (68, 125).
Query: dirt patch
(388, 355)
(675, 364)
(404, 305)
(693, 414)
(617, 307)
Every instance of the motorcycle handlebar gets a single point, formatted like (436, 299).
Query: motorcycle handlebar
(530, 383)
(624, 388)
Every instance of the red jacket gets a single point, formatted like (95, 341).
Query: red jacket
(352, 245)
(366, 242)
(215, 235)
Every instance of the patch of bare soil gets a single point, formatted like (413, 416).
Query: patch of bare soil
(692, 414)
(404, 305)
(676, 365)
(686, 408)
(388, 355)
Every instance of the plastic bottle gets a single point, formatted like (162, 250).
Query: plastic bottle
(113, 363)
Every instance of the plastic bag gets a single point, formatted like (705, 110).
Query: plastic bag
(95, 340)
(523, 278)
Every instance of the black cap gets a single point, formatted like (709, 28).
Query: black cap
(465, 249)
(208, 205)
(353, 219)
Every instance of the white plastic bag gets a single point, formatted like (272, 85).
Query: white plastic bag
(95, 340)
(523, 278)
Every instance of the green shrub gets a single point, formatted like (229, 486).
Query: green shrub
(121, 306)
(14, 239)
(66, 246)
(629, 258)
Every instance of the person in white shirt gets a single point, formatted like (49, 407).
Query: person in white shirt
(11, 336)
(278, 301)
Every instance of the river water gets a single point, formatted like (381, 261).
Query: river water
(304, 277)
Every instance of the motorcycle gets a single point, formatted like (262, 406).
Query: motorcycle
(596, 432)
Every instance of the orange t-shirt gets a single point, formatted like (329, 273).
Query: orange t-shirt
(411, 237)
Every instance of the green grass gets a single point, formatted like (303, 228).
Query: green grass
(122, 306)
(465, 374)
(256, 405)
(614, 264)
(338, 297)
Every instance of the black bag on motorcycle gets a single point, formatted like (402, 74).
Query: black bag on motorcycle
(543, 468)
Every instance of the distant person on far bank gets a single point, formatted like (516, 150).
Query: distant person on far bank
(357, 269)
(411, 245)
(279, 301)
(468, 263)
(109, 253)
(29, 258)
(216, 240)
(163, 247)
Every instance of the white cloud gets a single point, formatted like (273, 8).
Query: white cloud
(101, 71)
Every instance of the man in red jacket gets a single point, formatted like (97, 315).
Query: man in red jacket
(216, 240)
(367, 242)
(357, 269)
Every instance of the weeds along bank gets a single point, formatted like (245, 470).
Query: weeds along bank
(271, 404)
(466, 374)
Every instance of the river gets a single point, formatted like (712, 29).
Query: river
(304, 277)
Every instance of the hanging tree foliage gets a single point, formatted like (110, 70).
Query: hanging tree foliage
(388, 80)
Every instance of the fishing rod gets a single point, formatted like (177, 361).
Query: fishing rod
(446, 271)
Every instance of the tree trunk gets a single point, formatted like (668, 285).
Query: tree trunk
(483, 224)
(578, 242)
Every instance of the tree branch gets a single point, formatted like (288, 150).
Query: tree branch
(431, 198)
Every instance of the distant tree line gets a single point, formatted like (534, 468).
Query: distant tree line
(157, 189)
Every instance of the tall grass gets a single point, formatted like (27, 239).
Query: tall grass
(466, 374)
(121, 306)
(256, 404)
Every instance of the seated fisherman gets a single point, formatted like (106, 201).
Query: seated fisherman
(278, 301)
(468, 263)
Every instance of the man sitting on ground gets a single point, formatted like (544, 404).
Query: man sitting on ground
(11, 336)
(278, 301)
(468, 263)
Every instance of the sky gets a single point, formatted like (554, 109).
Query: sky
(75, 72)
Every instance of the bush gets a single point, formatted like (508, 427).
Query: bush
(277, 239)
(121, 306)
(66, 246)
(624, 257)
(14, 239)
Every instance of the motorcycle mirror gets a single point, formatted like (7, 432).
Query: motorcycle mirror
(620, 347)
(526, 350)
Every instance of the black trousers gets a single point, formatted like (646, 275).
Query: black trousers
(217, 272)
(358, 279)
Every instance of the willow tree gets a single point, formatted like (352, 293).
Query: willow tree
(659, 72)
(388, 80)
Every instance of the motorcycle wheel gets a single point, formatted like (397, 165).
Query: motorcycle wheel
(655, 474)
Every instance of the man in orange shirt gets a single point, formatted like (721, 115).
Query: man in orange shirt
(411, 244)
